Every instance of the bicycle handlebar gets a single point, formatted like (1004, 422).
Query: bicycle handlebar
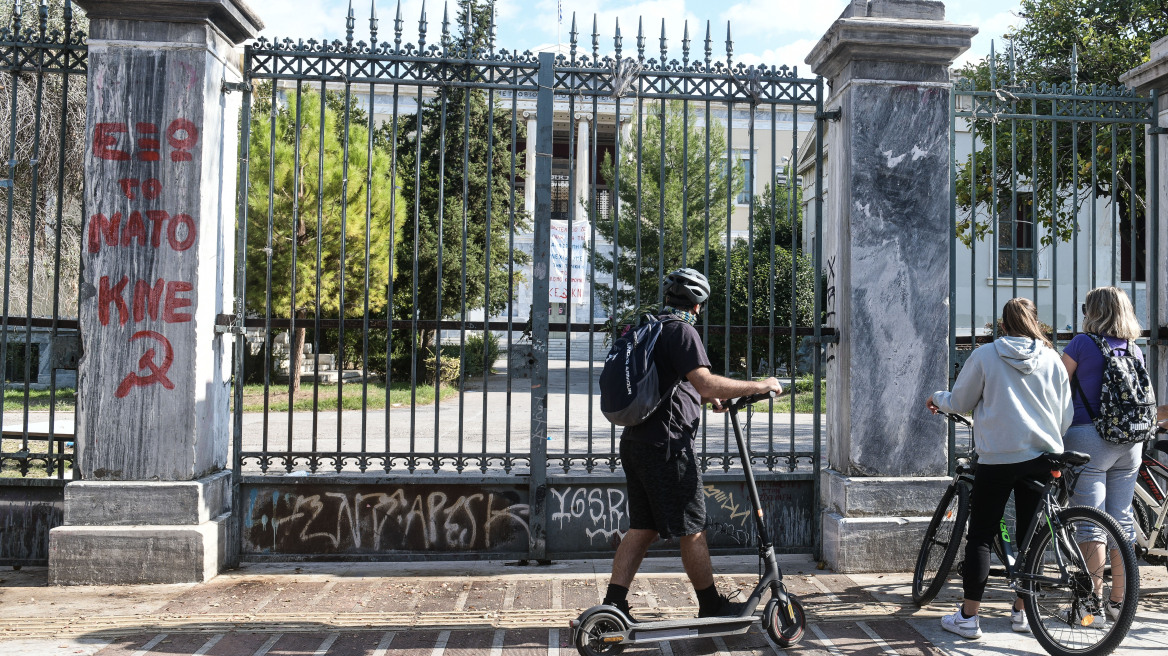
(734, 405)
(958, 419)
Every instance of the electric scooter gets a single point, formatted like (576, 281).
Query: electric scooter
(605, 630)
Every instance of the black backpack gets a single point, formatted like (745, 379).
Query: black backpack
(1127, 402)
(630, 390)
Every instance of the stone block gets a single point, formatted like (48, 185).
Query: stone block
(853, 545)
(881, 496)
(133, 503)
(122, 555)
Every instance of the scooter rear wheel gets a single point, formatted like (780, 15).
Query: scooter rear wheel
(774, 625)
(588, 641)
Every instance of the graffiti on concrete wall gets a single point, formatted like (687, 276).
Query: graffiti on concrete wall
(600, 511)
(374, 519)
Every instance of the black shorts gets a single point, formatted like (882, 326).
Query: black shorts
(664, 495)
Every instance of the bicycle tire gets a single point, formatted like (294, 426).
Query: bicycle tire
(1063, 628)
(943, 538)
(1144, 517)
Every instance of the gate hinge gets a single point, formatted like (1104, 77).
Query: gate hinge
(830, 115)
(227, 324)
(228, 87)
(826, 339)
(1156, 129)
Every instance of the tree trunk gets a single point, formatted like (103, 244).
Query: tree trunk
(296, 356)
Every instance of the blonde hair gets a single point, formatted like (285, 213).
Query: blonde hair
(1020, 319)
(1110, 312)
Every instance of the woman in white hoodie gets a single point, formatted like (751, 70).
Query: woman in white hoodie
(1020, 397)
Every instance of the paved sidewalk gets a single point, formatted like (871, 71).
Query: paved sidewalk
(488, 608)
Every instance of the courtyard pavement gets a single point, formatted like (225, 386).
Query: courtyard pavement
(491, 608)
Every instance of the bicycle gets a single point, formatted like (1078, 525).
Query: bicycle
(1062, 574)
(1151, 508)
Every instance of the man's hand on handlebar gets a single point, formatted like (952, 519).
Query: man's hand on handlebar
(771, 385)
(715, 404)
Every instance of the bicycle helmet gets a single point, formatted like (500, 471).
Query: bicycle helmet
(688, 285)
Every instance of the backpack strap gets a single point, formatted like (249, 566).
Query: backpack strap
(1082, 394)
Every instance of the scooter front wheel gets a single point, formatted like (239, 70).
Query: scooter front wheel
(793, 632)
(588, 640)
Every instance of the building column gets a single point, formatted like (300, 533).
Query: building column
(1153, 76)
(529, 169)
(583, 168)
(886, 254)
(153, 505)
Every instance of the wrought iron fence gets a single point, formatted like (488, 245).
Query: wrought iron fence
(397, 226)
(42, 94)
(1051, 200)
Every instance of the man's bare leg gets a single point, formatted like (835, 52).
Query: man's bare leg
(695, 557)
(630, 553)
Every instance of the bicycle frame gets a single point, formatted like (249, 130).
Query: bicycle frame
(1047, 513)
(1148, 491)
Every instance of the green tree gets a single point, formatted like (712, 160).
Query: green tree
(1109, 37)
(767, 286)
(450, 154)
(677, 201)
(308, 206)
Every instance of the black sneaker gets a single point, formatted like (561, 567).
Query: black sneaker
(622, 606)
(725, 608)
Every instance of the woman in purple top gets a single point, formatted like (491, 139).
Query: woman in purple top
(1108, 481)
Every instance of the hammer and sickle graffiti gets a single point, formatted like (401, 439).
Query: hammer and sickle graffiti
(157, 371)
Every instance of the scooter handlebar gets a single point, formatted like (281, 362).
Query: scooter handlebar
(743, 401)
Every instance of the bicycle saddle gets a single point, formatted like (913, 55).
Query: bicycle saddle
(1071, 458)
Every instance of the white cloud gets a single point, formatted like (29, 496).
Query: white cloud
(791, 54)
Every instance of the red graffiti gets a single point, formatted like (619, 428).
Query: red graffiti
(181, 231)
(181, 135)
(151, 188)
(147, 361)
(146, 299)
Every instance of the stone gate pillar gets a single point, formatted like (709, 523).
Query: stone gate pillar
(153, 505)
(1153, 76)
(886, 257)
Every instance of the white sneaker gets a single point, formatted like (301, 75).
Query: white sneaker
(966, 627)
(1113, 609)
(1018, 621)
(1085, 618)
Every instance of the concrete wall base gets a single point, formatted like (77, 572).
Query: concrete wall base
(854, 545)
(125, 532)
(121, 555)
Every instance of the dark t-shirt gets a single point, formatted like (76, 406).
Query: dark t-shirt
(1089, 371)
(679, 350)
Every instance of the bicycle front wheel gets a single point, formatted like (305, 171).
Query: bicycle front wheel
(939, 548)
(1068, 582)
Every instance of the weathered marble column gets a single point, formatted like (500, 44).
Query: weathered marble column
(583, 167)
(529, 169)
(153, 386)
(1153, 76)
(886, 255)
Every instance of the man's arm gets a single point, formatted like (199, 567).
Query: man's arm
(713, 387)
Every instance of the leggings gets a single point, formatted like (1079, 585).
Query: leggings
(991, 491)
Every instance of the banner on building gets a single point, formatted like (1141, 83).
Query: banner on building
(570, 276)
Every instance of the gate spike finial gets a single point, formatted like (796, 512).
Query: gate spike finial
(17, 16)
(43, 17)
(350, 23)
(729, 46)
(373, 23)
(445, 25)
(595, 40)
(616, 41)
(572, 37)
(422, 29)
(1075, 63)
(993, 67)
(468, 25)
(641, 39)
(491, 29)
(685, 45)
(664, 50)
(709, 46)
(68, 17)
(397, 28)
(1013, 66)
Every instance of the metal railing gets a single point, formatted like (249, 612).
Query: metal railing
(1051, 199)
(43, 57)
(356, 156)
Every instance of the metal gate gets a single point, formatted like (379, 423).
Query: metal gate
(438, 241)
(1051, 199)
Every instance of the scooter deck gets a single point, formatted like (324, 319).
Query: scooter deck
(643, 632)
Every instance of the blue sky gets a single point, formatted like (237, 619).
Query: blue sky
(772, 32)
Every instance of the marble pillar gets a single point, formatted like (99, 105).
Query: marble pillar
(1153, 76)
(886, 257)
(583, 167)
(529, 167)
(158, 261)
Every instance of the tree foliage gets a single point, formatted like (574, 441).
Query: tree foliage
(1058, 165)
(678, 206)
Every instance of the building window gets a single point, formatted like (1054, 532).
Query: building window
(1016, 239)
(745, 158)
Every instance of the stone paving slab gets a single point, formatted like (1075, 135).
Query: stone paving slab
(489, 609)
